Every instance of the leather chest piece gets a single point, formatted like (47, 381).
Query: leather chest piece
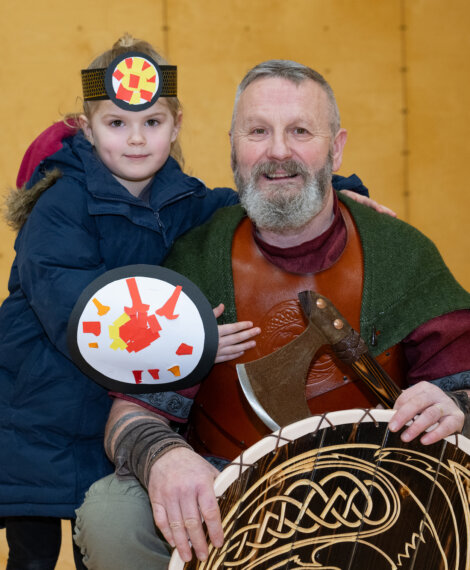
(223, 422)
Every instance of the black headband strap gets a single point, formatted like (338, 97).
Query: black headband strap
(133, 81)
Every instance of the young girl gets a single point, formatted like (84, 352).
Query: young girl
(113, 195)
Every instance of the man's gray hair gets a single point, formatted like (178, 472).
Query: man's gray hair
(296, 73)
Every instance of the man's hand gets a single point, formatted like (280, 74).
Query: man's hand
(427, 405)
(369, 202)
(234, 338)
(182, 495)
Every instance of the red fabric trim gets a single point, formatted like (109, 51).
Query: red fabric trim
(311, 256)
(46, 144)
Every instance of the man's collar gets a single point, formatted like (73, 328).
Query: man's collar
(313, 255)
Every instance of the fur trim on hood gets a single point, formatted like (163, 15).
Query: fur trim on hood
(20, 201)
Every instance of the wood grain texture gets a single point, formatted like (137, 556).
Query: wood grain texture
(400, 76)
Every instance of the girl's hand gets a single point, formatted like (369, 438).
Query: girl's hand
(369, 202)
(234, 338)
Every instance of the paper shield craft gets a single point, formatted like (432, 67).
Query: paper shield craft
(143, 328)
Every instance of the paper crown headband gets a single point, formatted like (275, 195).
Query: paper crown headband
(133, 81)
(141, 329)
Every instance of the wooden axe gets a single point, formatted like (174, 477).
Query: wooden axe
(275, 384)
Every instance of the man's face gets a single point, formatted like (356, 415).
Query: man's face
(282, 152)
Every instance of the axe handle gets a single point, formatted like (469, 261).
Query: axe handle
(353, 351)
(348, 345)
(370, 372)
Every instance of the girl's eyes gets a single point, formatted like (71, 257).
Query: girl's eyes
(119, 123)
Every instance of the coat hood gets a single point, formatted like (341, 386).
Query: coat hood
(20, 201)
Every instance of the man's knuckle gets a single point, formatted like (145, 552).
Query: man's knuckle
(211, 514)
(191, 522)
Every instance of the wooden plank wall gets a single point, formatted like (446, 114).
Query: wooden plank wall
(400, 70)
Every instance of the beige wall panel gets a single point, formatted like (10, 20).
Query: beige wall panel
(356, 44)
(438, 45)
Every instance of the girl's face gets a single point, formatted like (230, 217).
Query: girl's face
(133, 145)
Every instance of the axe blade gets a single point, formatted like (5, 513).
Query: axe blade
(274, 385)
(253, 400)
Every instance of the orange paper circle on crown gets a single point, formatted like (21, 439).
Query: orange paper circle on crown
(133, 81)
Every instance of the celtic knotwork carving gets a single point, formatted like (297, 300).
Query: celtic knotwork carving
(299, 506)
(347, 496)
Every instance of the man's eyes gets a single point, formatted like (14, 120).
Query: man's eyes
(301, 131)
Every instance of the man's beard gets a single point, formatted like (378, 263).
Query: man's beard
(280, 209)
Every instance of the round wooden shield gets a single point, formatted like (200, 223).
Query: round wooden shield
(141, 329)
(342, 492)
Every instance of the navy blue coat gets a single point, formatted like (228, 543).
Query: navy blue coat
(52, 417)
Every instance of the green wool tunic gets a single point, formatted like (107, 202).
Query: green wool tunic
(406, 281)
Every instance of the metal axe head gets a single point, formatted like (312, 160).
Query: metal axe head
(275, 384)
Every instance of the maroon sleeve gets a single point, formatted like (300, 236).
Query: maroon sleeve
(439, 347)
(175, 406)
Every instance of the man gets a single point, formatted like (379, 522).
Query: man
(385, 277)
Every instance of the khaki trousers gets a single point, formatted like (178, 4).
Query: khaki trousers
(115, 529)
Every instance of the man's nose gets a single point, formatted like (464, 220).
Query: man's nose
(279, 148)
